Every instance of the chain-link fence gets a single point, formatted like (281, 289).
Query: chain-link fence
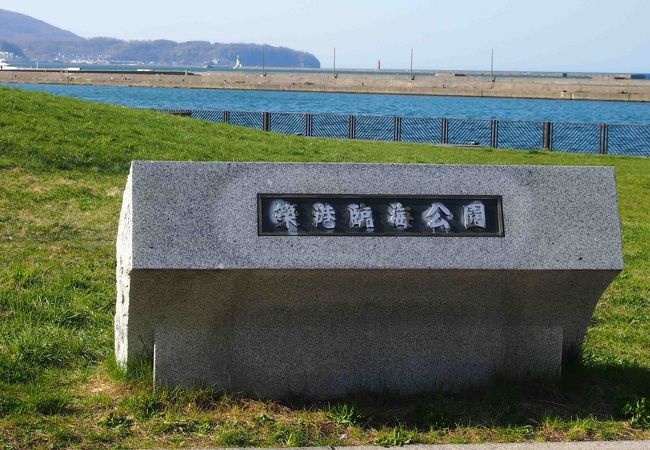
(633, 140)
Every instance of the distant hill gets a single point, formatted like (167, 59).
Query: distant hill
(19, 28)
(37, 40)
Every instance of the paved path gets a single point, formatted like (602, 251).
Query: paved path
(609, 445)
(624, 445)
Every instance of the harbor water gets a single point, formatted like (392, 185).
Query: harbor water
(357, 104)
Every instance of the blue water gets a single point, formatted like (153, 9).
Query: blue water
(358, 104)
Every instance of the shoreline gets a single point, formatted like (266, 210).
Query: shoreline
(626, 90)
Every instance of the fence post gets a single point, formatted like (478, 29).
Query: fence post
(308, 124)
(266, 121)
(352, 127)
(444, 132)
(226, 117)
(494, 142)
(547, 137)
(604, 138)
(397, 129)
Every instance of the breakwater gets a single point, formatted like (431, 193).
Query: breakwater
(445, 85)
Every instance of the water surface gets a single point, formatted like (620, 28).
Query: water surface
(358, 104)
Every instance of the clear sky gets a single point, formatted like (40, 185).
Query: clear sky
(553, 35)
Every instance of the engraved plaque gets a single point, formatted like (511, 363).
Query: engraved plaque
(379, 215)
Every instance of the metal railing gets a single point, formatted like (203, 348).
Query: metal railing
(632, 140)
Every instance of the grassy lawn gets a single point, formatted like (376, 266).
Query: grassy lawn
(63, 165)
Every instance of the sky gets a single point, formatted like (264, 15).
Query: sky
(542, 35)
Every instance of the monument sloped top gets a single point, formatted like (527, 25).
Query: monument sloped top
(214, 215)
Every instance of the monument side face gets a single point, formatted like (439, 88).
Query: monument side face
(123, 268)
(325, 279)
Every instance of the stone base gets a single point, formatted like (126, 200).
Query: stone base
(386, 359)
(325, 334)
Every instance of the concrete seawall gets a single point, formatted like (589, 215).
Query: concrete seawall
(538, 88)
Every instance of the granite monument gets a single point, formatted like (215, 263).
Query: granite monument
(321, 280)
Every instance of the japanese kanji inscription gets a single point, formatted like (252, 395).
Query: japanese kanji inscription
(387, 215)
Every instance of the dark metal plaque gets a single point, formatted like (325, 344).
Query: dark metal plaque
(379, 215)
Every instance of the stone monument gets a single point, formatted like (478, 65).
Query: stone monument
(320, 280)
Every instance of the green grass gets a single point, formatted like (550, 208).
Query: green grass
(63, 165)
